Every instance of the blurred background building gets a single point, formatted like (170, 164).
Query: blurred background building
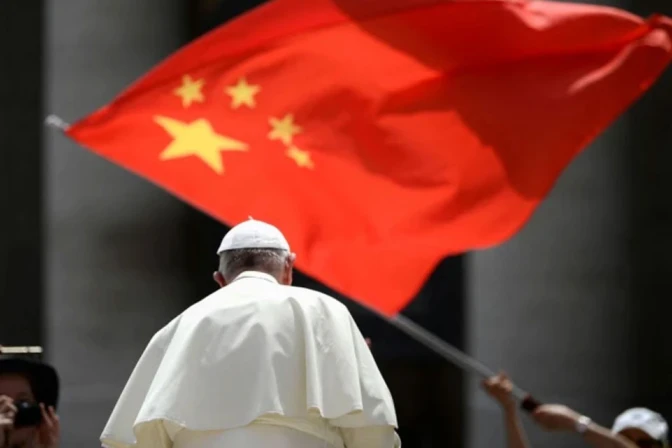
(94, 260)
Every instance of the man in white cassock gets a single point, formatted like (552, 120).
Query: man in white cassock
(259, 363)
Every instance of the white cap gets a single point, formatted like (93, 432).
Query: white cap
(253, 234)
(643, 419)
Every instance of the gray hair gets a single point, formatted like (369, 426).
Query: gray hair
(234, 262)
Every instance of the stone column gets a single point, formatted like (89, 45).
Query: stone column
(115, 243)
(552, 306)
(21, 34)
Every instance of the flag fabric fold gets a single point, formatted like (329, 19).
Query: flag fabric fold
(381, 136)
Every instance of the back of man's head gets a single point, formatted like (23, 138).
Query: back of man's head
(254, 246)
(234, 262)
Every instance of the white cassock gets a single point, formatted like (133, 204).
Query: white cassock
(256, 364)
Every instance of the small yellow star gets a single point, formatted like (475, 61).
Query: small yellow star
(190, 91)
(243, 94)
(197, 139)
(283, 129)
(301, 157)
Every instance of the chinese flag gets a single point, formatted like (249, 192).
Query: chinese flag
(381, 136)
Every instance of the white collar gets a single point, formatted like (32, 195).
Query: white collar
(257, 275)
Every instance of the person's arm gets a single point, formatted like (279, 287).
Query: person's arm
(515, 434)
(556, 417)
(499, 387)
(600, 437)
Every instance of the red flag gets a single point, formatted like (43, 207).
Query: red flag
(381, 136)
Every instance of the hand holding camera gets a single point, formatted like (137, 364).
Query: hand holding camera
(21, 414)
(7, 413)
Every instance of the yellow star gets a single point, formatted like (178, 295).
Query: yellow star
(190, 91)
(302, 158)
(197, 139)
(283, 129)
(243, 94)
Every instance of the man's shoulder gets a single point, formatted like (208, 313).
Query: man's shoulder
(314, 297)
(267, 298)
(165, 334)
(300, 291)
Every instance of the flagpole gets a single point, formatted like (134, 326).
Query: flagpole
(452, 354)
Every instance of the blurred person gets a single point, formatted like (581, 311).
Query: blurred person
(257, 363)
(636, 427)
(28, 399)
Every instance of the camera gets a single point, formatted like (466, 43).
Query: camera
(27, 414)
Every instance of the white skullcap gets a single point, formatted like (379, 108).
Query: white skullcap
(253, 234)
(643, 419)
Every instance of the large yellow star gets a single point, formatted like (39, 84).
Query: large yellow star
(283, 129)
(197, 139)
(301, 157)
(190, 91)
(243, 94)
